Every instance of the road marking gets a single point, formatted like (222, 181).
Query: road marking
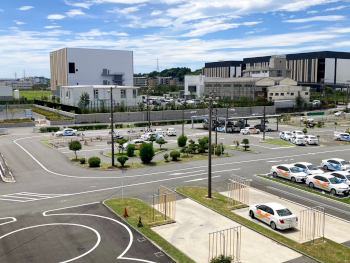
(121, 256)
(276, 148)
(61, 224)
(201, 179)
(31, 197)
(13, 220)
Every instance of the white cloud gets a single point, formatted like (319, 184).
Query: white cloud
(55, 17)
(127, 10)
(304, 27)
(18, 22)
(98, 33)
(312, 12)
(75, 12)
(52, 26)
(258, 30)
(156, 12)
(316, 18)
(25, 8)
(1, 10)
(82, 5)
(335, 8)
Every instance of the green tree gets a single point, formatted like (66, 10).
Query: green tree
(122, 106)
(203, 144)
(299, 100)
(84, 100)
(75, 146)
(166, 156)
(122, 160)
(161, 142)
(182, 140)
(245, 143)
(152, 139)
(329, 90)
(120, 145)
(142, 106)
(146, 152)
(305, 131)
(174, 155)
(130, 150)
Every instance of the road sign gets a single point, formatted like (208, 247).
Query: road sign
(28, 113)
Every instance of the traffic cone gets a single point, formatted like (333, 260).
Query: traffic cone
(126, 213)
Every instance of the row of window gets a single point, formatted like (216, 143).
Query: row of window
(282, 94)
(122, 94)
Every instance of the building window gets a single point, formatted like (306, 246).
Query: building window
(276, 94)
(71, 67)
(261, 94)
(96, 94)
(123, 93)
(271, 94)
(282, 94)
(292, 94)
(306, 93)
(134, 93)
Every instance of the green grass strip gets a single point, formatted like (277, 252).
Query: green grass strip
(138, 208)
(281, 143)
(239, 149)
(327, 251)
(345, 201)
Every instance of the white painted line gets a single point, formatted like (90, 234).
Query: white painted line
(13, 220)
(61, 224)
(201, 179)
(39, 195)
(20, 197)
(13, 200)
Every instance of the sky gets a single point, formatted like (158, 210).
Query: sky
(178, 33)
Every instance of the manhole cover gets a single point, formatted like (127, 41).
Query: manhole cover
(141, 239)
(159, 254)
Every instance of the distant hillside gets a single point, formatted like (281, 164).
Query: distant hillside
(173, 72)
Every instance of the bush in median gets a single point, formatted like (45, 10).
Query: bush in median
(174, 155)
(94, 162)
(181, 141)
(130, 150)
(122, 160)
(146, 152)
(82, 160)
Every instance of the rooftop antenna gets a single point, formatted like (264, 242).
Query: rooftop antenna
(24, 73)
(157, 65)
(15, 75)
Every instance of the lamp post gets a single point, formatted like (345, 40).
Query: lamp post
(148, 109)
(112, 123)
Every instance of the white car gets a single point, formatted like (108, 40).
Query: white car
(311, 139)
(316, 102)
(341, 136)
(335, 164)
(285, 135)
(343, 176)
(136, 142)
(304, 118)
(147, 136)
(308, 168)
(339, 113)
(298, 140)
(171, 132)
(329, 183)
(159, 131)
(275, 215)
(288, 171)
(249, 130)
(67, 132)
(297, 133)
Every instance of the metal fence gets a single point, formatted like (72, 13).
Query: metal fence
(162, 206)
(238, 191)
(226, 242)
(312, 224)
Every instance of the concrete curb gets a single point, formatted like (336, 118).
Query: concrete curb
(300, 252)
(153, 243)
(326, 198)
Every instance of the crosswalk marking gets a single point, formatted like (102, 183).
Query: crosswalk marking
(27, 197)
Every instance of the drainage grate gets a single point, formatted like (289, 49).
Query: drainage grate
(159, 254)
(141, 239)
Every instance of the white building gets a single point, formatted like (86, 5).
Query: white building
(78, 66)
(285, 92)
(6, 93)
(194, 84)
(70, 95)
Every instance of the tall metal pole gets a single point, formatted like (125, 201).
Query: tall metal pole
(112, 128)
(209, 157)
(264, 124)
(183, 117)
(216, 127)
(148, 111)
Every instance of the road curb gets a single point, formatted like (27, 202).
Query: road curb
(152, 242)
(300, 252)
(326, 198)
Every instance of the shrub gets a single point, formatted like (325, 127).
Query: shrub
(305, 130)
(320, 124)
(161, 142)
(146, 152)
(75, 146)
(221, 259)
(203, 144)
(166, 156)
(82, 160)
(219, 150)
(130, 150)
(245, 143)
(182, 140)
(52, 129)
(175, 155)
(122, 160)
(94, 162)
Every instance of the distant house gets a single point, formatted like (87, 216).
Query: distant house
(70, 95)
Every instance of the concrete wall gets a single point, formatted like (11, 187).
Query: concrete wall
(64, 113)
(12, 125)
(57, 123)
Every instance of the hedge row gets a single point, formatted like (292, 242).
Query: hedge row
(49, 129)
(163, 123)
(90, 127)
(16, 120)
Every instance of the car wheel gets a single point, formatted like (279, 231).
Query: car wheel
(258, 132)
(333, 192)
(311, 185)
(325, 167)
(293, 180)
(274, 174)
(251, 214)
(273, 225)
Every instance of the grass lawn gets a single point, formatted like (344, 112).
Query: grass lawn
(345, 201)
(281, 143)
(137, 152)
(138, 208)
(239, 149)
(31, 94)
(16, 121)
(321, 250)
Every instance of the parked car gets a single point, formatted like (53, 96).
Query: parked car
(136, 142)
(343, 176)
(288, 171)
(285, 135)
(316, 103)
(261, 127)
(311, 139)
(159, 131)
(341, 136)
(171, 132)
(67, 132)
(308, 168)
(329, 183)
(250, 130)
(147, 136)
(339, 113)
(275, 215)
(298, 140)
(297, 133)
(335, 164)
(304, 118)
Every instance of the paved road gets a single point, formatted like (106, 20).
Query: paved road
(47, 180)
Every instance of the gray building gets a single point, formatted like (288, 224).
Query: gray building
(6, 93)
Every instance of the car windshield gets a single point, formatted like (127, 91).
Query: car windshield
(348, 176)
(294, 170)
(299, 137)
(288, 133)
(312, 167)
(171, 129)
(299, 133)
(344, 162)
(334, 180)
(284, 212)
(313, 137)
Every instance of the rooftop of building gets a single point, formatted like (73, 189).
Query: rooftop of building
(101, 87)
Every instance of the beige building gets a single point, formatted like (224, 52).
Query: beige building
(285, 92)
(276, 67)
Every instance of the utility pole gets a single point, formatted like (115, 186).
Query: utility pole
(209, 157)
(112, 124)
(264, 124)
(183, 117)
(148, 110)
(216, 127)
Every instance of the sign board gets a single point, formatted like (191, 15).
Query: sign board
(28, 113)
(315, 113)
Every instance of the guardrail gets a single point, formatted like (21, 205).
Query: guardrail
(5, 170)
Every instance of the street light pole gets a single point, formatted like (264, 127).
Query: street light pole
(209, 157)
(264, 124)
(112, 128)
(216, 127)
(148, 110)
(183, 117)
